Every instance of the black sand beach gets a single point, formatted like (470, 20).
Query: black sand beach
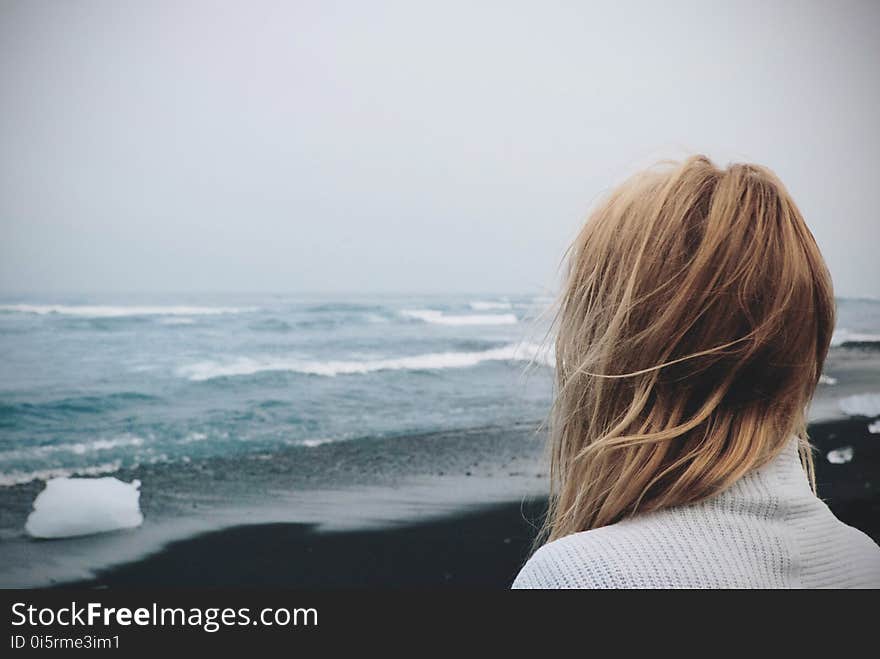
(482, 547)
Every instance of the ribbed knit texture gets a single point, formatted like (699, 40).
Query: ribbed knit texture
(768, 530)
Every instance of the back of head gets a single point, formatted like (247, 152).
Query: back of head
(692, 329)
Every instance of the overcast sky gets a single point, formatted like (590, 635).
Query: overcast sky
(406, 146)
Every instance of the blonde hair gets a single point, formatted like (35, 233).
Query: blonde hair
(691, 331)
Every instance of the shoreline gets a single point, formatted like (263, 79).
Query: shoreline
(479, 547)
(354, 485)
(462, 490)
(257, 479)
(473, 545)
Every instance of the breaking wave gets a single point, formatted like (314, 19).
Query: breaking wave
(861, 405)
(439, 318)
(103, 311)
(208, 370)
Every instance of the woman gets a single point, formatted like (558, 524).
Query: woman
(692, 330)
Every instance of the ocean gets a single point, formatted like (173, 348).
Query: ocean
(93, 385)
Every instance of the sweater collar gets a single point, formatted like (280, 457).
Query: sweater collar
(779, 480)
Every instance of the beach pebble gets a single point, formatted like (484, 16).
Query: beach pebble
(69, 507)
(841, 455)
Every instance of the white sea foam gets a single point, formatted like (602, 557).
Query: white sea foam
(101, 311)
(860, 405)
(827, 379)
(843, 335)
(19, 477)
(176, 320)
(82, 448)
(522, 352)
(439, 318)
(874, 428)
(480, 305)
(70, 507)
(312, 443)
(144, 368)
(77, 448)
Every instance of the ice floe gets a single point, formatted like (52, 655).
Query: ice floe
(70, 507)
(841, 455)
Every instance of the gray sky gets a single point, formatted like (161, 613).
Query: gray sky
(406, 146)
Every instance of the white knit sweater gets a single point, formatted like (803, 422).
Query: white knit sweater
(767, 530)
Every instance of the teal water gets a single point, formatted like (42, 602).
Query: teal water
(94, 384)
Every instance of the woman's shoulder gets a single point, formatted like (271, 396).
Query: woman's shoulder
(580, 560)
(853, 553)
(699, 546)
(696, 548)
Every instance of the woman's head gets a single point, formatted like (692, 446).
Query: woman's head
(692, 328)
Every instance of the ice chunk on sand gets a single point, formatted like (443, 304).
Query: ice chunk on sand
(81, 506)
(841, 455)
